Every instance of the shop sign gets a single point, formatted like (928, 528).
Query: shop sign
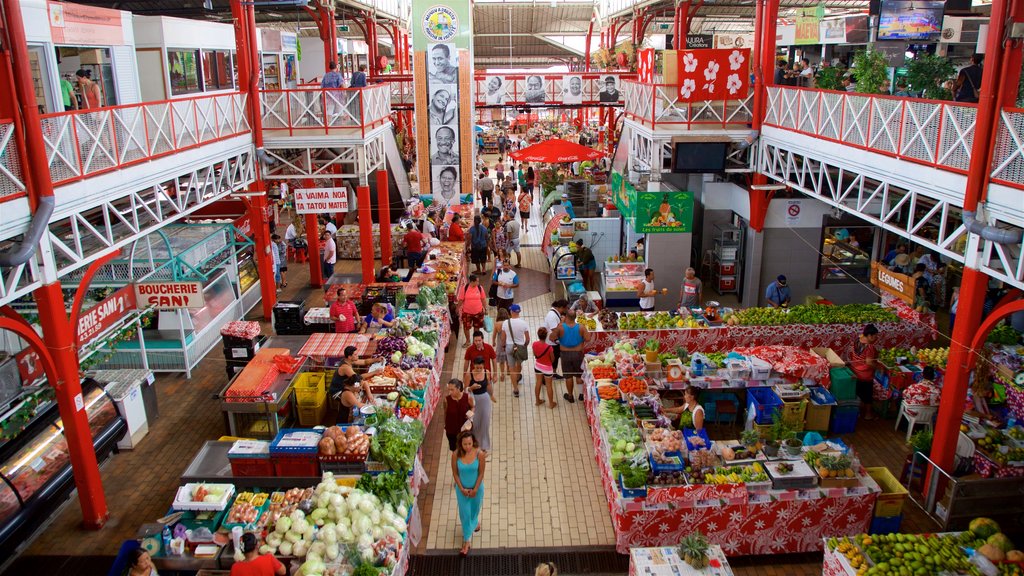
(170, 295)
(623, 195)
(699, 41)
(664, 212)
(105, 314)
(30, 366)
(290, 42)
(243, 226)
(899, 285)
(808, 21)
(81, 25)
(724, 41)
(717, 74)
(271, 40)
(321, 200)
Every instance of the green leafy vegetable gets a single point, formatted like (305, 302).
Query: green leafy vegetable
(389, 487)
(396, 442)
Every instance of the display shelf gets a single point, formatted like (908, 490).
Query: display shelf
(843, 263)
(620, 282)
(726, 259)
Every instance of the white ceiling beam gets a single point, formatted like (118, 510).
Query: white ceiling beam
(559, 45)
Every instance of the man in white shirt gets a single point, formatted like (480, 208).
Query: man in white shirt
(512, 230)
(514, 332)
(290, 234)
(330, 256)
(331, 228)
(806, 74)
(507, 280)
(647, 291)
(551, 321)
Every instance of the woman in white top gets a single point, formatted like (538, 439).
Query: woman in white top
(690, 405)
(647, 292)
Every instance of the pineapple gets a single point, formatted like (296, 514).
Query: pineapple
(694, 550)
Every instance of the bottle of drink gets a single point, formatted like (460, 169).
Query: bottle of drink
(167, 540)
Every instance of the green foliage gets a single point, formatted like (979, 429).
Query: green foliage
(927, 73)
(829, 78)
(870, 68)
(780, 430)
(921, 441)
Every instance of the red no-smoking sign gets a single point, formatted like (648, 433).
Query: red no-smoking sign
(794, 209)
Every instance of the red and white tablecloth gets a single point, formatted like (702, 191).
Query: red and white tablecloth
(329, 345)
(839, 337)
(739, 526)
(989, 469)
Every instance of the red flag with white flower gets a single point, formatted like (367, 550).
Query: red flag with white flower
(713, 74)
(645, 66)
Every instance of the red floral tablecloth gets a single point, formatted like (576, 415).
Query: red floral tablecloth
(740, 527)
(790, 360)
(989, 469)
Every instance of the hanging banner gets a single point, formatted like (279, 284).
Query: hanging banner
(899, 285)
(807, 24)
(84, 25)
(724, 41)
(664, 212)
(713, 74)
(321, 200)
(105, 314)
(170, 295)
(645, 66)
(623, 195)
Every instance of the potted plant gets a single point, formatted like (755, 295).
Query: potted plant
(928, 73)
(794, 446)
(693, 549)
(779, 432)
(829, 78)
(871, 69)
(921, 441)
(750, 439)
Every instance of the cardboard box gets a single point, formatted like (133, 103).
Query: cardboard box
(834, 360)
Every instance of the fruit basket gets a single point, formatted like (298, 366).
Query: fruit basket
(203, 497)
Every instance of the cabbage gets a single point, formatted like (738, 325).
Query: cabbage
(366, 505)
(312, 567)
(266, 549)
(291, 537)
(297, 515)
(285, 549)
(275, 538)
(300, 548)
(396, 357)
(301, 526)
(332, 552)
(364, 541)
(284, 524)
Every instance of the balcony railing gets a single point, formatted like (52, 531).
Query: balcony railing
(933, 133)
(316, 111)
(656, 105)
(1008, 156)
(85, 143)
(12, 184)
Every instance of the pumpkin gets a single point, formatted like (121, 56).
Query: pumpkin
(729, 454)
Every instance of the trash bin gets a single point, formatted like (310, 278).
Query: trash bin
(149, 398)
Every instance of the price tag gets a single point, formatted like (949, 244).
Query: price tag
(239, 353)
(150, 378)
(79, 403)
(37, 464)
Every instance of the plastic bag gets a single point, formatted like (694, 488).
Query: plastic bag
(488, 324)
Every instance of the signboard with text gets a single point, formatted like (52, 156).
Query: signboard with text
(899, 285)
(321, 200)
(170, 295)
(82, 25)
(808, 21)
(105, 314)
(664, 212)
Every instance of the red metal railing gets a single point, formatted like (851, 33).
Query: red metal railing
(85, 143)
(12, 182)
(658, 104)
(325, 110)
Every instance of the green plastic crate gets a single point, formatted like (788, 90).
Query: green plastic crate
(844, 385)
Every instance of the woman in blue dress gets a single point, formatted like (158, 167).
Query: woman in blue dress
(468, 464)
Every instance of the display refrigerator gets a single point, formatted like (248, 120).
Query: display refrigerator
(35, 466)
(620, 282)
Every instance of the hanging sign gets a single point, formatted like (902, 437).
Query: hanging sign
(717, 74)
(170, 295)
(699, 41)
(664, 212)
(84, 25)
(899, 285)
(105, 314)
(321, 200)
(807, 24)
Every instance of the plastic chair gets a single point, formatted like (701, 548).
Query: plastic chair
(726, 409)
(915, 414)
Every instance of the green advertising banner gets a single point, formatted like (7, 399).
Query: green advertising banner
(442, 22)
(807, 24)
(661, 212)
(624, 196)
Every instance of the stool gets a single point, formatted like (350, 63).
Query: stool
(915, 414)
(291, 254)
(301, 255)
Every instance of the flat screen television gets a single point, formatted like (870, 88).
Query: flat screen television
(699, 157)
(910, 20)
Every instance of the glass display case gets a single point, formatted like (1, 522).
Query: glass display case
(621, 280)
(845, 255)
(271, 72)
(248, 275)
(218, 295)
(563, 263)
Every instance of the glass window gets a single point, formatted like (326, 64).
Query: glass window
(218, 73)
(184, 70)
(846, 254)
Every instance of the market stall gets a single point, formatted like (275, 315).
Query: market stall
(669, 560)
(662, 485)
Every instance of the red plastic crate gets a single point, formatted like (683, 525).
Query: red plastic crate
(252, 467)
(727, 269)
(727, 283)
(296, 466)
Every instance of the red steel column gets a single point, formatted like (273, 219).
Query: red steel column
(316, 275)
(384, 216)
(58, 331)
(770, 23)
(365, 232)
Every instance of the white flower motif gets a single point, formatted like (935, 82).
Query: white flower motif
(736, 60)
(711, 72)
(806, 521)
(688, 87)
(690, 62)
(709, 87)
(759, 524)
(733, 83)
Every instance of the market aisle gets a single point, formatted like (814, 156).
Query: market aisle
(542, 488)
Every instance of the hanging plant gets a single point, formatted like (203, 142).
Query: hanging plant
(602, 59)
(627, 60)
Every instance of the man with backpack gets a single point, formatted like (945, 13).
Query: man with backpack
(479, 237)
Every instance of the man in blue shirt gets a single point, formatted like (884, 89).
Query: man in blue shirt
(359, 78)
(568, 206)
(333, 78)
(332, 81)
(777, 293)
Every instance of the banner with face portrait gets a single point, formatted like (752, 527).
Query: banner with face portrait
(535, 90)
(443, 122)
(496, 90)
(572, 89)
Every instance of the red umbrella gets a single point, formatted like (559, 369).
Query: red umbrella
(555, 151)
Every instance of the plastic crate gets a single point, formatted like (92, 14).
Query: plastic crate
(296, 466)
(844, 384)
(312, 415)
(284, 443)
(310, 388)
(819, 410)
(676, 465)
(632, 492)
(890, 501)
(764, 401)
(342, 467)
(844, 419)
(885, 524)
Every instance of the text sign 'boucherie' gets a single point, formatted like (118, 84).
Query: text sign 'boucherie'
(105, 314)
(321, 200)
(899, 285)
(169, 295)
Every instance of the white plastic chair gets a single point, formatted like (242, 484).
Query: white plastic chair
(915, 414)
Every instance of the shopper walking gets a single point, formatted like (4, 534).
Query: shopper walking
(480, 349)
(501, 369)
(543, 360)
(344, 312)
(551, 321)
(968, 81)
(485, 186)
(256, 564)
(499, 238)
(863, 359)
(282, 258)
(330, 256)
(647, 292)
(478, 241)
(413, 240)
(507, 281)
(514, 339)
(571, 338)
(458, 411)
(469, 461)
(513, 232)
(471, 305)
(691, 293)
(525, 203)
(482, 387)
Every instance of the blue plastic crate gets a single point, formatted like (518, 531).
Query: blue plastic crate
(844, 419)
(689, 433)
(885, 524)
(676, 465)
(821, 397)
(632, 492)
(276, 446)
(764, 401)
